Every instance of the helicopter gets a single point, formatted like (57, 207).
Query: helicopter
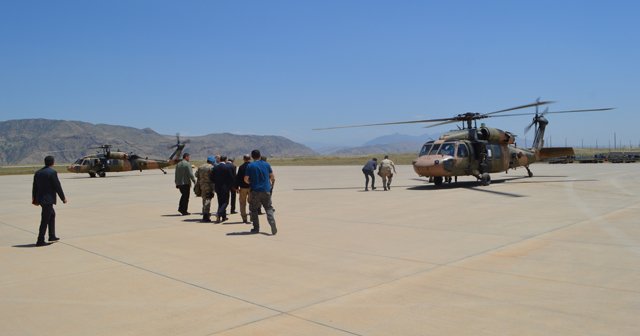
(116, 161)
(480, 151)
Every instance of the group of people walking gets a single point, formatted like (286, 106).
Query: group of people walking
(252, 182)
(386, 170)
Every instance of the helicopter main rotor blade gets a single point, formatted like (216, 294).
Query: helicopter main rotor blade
(382, 124)
(549, 112)
(467, 117)
(538, 103)
(585, 110)
(443, 123)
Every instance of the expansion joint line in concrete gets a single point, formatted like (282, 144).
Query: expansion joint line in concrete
(280, 312)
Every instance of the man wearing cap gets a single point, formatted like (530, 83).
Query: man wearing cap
(206, 187)
(184, 177)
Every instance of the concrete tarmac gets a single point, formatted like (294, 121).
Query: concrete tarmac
(556, 254)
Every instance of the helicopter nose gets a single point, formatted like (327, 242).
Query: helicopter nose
(422, 166)
(430, 166)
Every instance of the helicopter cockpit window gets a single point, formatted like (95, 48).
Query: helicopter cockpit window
(78, 161)
(435, 149)
(86, 162)
(463, 151)
(447, 149)
(425, 149)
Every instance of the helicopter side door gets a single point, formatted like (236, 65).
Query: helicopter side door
(463, 156)
(116, 165)
(498, 158)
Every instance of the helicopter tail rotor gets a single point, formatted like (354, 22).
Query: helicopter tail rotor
(178, 146)
(178, 142)
(537, 118)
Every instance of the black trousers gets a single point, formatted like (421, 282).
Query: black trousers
(48, 220)
(233, 200)
(368, 173)
(185, 191)
(223, 201)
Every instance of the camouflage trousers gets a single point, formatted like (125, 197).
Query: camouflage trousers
(386, 175)
(207, 196)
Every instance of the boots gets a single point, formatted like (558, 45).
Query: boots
(206, 218)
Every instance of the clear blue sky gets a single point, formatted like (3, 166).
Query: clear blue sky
(285, 67)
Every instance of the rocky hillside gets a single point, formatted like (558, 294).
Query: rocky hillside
(27, 141)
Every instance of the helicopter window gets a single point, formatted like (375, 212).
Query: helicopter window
(496, 151)
(78, 161)
(425, 149)
(435, 149)
(86, 162)
(463, 151)
(447, 149)
(114, 162)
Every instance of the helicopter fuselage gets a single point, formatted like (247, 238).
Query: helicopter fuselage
(471, 152)
(463, 157)
(101, 163)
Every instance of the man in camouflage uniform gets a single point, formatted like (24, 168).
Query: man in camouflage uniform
(385, 172)
(206, 187)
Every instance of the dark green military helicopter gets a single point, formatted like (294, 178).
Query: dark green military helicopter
(107, 160)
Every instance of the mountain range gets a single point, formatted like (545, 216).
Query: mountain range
(393, 143)
(27, 141)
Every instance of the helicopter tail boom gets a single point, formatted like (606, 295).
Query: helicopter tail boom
(551, 152)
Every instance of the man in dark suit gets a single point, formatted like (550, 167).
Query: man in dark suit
(45, 187)
(224, 177)
(232, 201)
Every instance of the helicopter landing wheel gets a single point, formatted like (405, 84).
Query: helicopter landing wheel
(437, 180)
(101, 174)
(92, 174)
(485, 179)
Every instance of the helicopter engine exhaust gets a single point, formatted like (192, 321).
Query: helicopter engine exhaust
(495, 135)
(117, 155)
